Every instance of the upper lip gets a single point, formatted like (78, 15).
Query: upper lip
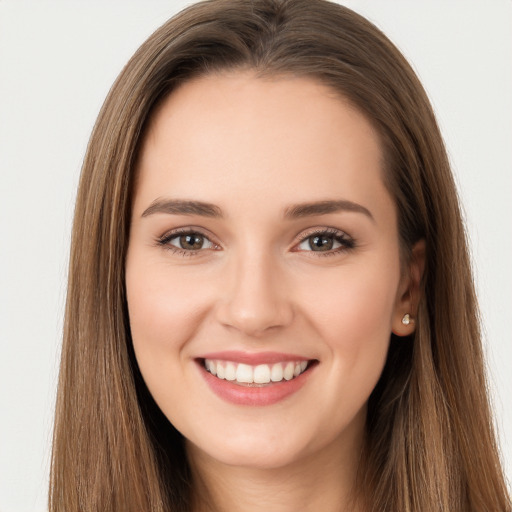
(253, 358)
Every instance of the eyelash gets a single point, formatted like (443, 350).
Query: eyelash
(346, 242)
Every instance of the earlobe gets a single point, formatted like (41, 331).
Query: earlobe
(409, 293)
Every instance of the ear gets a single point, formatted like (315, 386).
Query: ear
(409, 292)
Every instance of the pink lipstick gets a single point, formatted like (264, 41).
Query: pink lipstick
(263, 378)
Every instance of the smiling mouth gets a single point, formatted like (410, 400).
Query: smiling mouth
(256, 375)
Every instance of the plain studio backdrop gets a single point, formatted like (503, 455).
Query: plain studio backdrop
(57, 63)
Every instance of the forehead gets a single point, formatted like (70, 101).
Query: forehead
(234, 135)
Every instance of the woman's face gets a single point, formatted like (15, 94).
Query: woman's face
(263, 275)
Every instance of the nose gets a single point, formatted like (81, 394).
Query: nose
(255, 297)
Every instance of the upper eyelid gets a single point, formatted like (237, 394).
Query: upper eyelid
(320, 230)
(168, 235)
(304, 235)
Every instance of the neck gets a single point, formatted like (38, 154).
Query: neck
(324, 481)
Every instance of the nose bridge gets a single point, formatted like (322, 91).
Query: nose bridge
(256, 299)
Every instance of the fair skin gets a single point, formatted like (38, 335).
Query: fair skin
(255, 278)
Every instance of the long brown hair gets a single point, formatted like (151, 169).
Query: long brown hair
(430, 443)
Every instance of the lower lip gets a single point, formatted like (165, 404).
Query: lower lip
(256, 396)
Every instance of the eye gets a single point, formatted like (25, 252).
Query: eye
(191, 242)
(186, 242)
(329, 241)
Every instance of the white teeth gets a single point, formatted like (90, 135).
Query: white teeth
(288, 371)
(276, 375)
(221, 371)
(211, 366)
(259, 374)
(230, 373)
(244, 374)
(262, 374)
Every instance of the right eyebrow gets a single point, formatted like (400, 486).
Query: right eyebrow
(183, 207)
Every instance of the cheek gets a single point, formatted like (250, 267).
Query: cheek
(354, 320)
(165, 309)
(163, 313)
(160, 308)
(356, 305)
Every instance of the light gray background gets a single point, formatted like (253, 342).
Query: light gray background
(57, 62)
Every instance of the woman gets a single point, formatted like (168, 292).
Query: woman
(270, 300)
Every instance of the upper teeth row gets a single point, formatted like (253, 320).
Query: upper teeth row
(260, 374)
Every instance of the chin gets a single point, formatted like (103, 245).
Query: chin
(285, 447)
(255, 451)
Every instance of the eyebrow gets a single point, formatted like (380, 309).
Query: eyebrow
(183, 207)
(186, 207)
(325, 207)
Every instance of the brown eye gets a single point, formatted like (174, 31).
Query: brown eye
(329, 242)
(321, 243)
(190, 242)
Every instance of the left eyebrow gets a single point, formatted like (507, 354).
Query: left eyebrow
(324, 207)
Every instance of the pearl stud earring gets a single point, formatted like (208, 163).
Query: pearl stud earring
(406, 319)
